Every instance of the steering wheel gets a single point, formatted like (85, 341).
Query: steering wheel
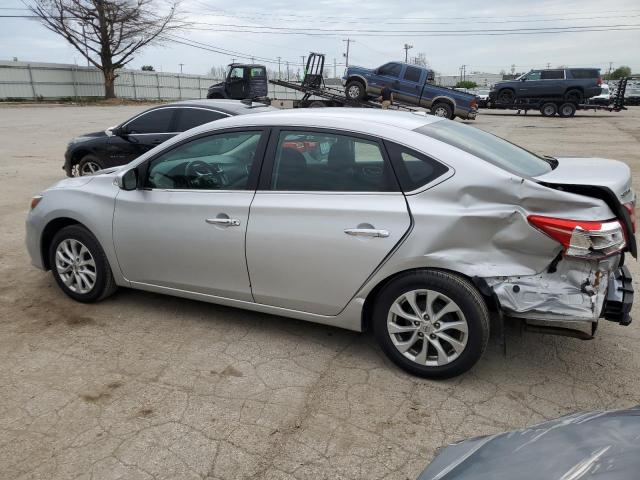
(201, 174)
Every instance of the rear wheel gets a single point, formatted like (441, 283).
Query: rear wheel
(80, 266)
(574, 95)
(317, 104)
(88, 165)
(431, 323)
(355, 90)
(548, 109)
(567, 110)
(442, 109)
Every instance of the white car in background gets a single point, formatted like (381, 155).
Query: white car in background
(604, 98)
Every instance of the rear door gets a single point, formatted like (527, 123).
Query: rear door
(552, 83)
(410, 84)
(322, 220)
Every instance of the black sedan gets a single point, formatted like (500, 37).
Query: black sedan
(121, 144)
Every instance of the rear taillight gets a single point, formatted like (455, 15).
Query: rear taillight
(631, 208)
(583, 239)
(599, 80)
(474, 103)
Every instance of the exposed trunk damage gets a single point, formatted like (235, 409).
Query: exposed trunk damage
(574, 291)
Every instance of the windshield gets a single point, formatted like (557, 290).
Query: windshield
(488, 147)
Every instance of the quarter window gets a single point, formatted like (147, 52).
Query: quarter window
(390, 70)
(310, 161)
(414, 169)
(155, 121)
(216, 162)
(412, 74)
(193, 117)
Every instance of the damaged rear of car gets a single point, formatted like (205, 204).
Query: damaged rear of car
(584, 209)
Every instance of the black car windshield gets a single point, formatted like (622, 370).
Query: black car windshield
(488, 147)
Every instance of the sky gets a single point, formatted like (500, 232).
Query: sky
(291, 28)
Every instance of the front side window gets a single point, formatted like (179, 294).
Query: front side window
(552, 75)
(412, 74)
(155, 121)
(534, 75)
(312, 161)
(236, 72)
(215, 162)
(390, 70)
(194, 117)
(487, 147)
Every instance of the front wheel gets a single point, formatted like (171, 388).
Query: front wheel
(431, 323)
(88, 165)
(80, 266)
(506, 96)
(355, 90)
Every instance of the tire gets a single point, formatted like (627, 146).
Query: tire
(317, 104)
(77, 240)
(548, 109)
(443, 109)
(574, 95)
(88, 165)
(567, 110)
(440, 290)
(355, 90)
(506, 96)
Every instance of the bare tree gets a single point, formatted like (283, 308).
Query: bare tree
(106, 32)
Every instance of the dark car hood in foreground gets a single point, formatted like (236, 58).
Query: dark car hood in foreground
(603, 445)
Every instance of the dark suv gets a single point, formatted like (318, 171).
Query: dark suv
(118, 145)
(571, 84)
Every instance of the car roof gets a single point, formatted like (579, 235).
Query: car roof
(232, 107)
(364, 120)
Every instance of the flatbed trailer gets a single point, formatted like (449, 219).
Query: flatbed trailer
(551, 106)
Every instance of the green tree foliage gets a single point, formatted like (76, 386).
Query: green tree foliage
(466, 84)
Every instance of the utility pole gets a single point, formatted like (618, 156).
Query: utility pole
(346, 55)
(335, 74)
(304, 65)
(548, 65)
(287, 71)
(181, 64)
(610, 68)
(406, 52)
(279, 76)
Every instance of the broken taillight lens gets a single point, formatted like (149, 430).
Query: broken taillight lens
(580, 238)
(599, 81)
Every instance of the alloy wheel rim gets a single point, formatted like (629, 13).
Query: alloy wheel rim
(354, 91)
(441, 112)
(89, 168)
(76, 266)
(427, 327)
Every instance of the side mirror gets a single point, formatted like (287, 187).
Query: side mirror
(127, 180)
(524, 79)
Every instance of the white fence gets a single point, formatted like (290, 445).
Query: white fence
(22, 80)
(51, 81)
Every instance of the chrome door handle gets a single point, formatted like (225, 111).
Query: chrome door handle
(367, 232)
(228, 222)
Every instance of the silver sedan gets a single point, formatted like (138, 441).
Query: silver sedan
(411, 225)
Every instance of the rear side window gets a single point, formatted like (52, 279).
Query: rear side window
(585, 73)
(414, 169)
(390, 70)
(319, 161)
(258, 72)
(487, 147)
(155, 121)
(552, 75)
(412, 74)
(193, 117)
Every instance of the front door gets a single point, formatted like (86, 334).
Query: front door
(185, 228)
(322, 220)
(141, 134)
(236, 84)
(387, 74)
(530, 86)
